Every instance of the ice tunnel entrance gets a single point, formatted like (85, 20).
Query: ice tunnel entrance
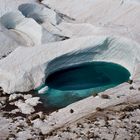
(80, 81)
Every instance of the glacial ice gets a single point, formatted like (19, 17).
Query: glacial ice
(11, 20)
(85, 31)
(96, 35)
(42, 61)
(9, 41)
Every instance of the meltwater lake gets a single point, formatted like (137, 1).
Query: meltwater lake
(77, 82)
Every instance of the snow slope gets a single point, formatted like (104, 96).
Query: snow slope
(9, 6)
(120, 17)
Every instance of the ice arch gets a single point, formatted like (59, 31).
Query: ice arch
(88, 75)
(113, 49)
(32, 72)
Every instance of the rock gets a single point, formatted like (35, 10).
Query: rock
(122, 116)
(1, 91)
(130, 81)
(99, 109)
(139, 88)
(90, 135)
(33, 117)
(105, 96)
(10, 136)
(131, 88)
(28, 122)
(0, 94)
(80, 125)
(3, 100)
(97, 123)
(42, 117)
(71, 111)
(95, 94)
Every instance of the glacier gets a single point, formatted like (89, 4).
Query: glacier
(49, 36)
(38, 39)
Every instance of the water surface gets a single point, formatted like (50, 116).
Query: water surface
(75, 83)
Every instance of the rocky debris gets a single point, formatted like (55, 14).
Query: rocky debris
(113, 123)
(11, 136)
(130, 81)
(95, 94)
(20, 103)
(42, 116)
(33, 117)
(26, 115)
(99, 109)
(22, 116)
(71, 111)
(105, 96)
(131, 88)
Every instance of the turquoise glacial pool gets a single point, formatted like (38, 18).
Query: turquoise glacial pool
(80, 81)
